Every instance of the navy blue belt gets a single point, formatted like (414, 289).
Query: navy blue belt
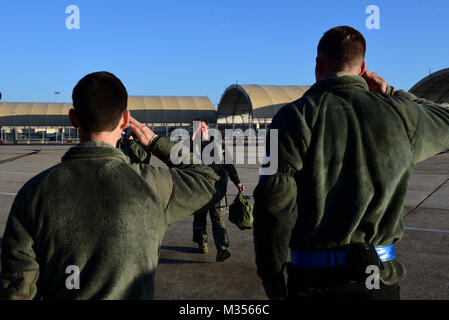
(335, 258)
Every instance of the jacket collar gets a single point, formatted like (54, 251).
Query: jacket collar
(339, 81)
(94, 150)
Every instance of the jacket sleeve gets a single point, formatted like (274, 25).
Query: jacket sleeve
(228, 166)
(276, 211)
(432, 130)
(232, 173)
(20, 269)
(184, 188)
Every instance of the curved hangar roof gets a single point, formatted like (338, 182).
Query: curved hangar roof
(241, 103)
(434, 87)
(147, 109)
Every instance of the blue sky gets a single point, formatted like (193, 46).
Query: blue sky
(199, 47)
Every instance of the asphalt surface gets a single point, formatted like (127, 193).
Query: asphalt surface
(185, 274)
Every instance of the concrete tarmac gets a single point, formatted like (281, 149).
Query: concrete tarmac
(185, 274)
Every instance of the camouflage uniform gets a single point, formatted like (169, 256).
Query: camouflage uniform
(217, 212)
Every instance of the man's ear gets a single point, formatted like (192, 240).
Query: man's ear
(74, 119)
(319, 68)
(362, 68)
(125, 120)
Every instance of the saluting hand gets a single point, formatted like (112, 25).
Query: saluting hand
(142, 132)
(375, 82)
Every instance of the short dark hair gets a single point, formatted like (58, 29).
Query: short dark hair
(201, 119)
(342, 46)
(99, 99)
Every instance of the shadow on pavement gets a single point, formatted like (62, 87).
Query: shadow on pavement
(173, 261)
(181, 249)
(188, 250)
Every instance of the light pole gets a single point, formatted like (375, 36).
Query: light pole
(58, 93)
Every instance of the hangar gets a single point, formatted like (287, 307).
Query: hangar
(49, 121)
(248, 105)
(240, 106)
(434, 87)
(255, 105)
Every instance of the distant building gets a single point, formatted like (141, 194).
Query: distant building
(254, 105)
(434, 87)
(46, 122)
(241, 106)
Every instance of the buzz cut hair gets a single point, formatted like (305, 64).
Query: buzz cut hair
(342, 46)
(99, 100)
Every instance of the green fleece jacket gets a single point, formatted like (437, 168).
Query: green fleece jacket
(107, 217)
(353, 152)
